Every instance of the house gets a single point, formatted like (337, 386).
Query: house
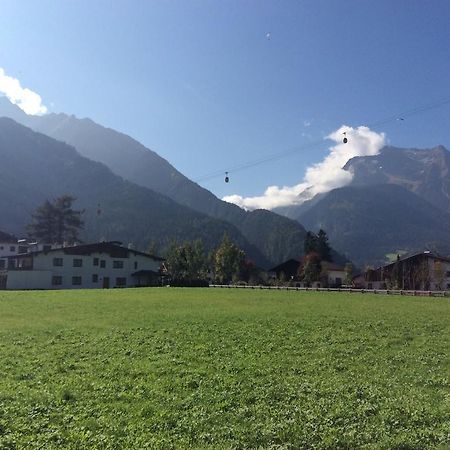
(335, 273)
(287, 270)
(290, 270)
(421, 271)
(99, 265)
(9, 246)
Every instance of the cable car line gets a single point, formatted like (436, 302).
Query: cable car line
(310, 145)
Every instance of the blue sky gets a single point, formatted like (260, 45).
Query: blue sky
(201, 84)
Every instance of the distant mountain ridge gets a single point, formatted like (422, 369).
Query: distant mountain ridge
(367, 223)
(397, 200)
(425, 172)
(35, 167)
(277, 237)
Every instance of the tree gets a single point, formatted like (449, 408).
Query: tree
(228, 260)
(348, 268)
(57, 222)
(317, 244)
(310, 243)
(187, 261)
(311, 268)
(323, 248)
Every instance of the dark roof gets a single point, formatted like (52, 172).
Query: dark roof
(113, 248)
(6, 237)
(427, 254)
(290, 264)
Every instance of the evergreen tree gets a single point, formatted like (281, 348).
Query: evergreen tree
(57, 222)
(323, 248)
(310, 243)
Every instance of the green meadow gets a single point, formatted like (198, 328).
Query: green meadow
(223, 369)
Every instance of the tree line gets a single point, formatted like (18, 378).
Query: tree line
(187, 263)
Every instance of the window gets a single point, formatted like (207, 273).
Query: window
(2, 263)
(121, 281)
(102, 263)
(77, 262)
(47, 248)
(12, 248)
(95, 278)
(95, 261)
(76, 281)
(56, 281)
(135, 265)
(117, 264)
(57, 262)
(23, 248)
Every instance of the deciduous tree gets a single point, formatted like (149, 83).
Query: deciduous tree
(187, 261)
(228, 260)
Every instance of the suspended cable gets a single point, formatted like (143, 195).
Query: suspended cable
(310, 145)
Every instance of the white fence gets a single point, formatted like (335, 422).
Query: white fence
(360, 291)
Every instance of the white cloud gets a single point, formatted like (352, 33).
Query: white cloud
(27, 100)
(323, 176)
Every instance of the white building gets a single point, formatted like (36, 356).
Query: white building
(99, 265)
(9, 246)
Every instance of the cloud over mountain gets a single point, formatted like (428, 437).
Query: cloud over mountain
(323, 176)
(27, 100)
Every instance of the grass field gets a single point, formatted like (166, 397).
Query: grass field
(205, 368)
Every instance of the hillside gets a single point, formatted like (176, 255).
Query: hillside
(277, 237)
(426, 172)
(369, 222)
(35, 167)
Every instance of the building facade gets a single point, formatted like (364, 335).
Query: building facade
(421, 271)
(99, 265)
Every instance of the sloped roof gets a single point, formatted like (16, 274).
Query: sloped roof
(113, 248)
(289, 265)
(427, 254)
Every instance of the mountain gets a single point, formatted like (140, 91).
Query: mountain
(277, 237)
(367, 223)
(35, 167)
(398, 189)
(425, 172)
